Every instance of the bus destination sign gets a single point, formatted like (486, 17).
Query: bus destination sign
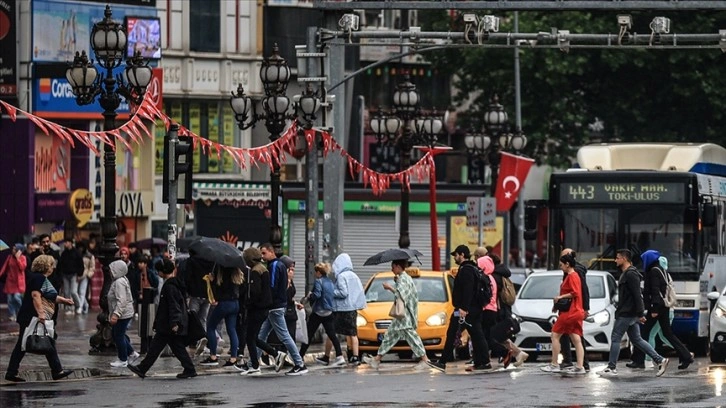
(622, 192)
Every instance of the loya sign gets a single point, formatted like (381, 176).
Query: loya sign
(134, 204)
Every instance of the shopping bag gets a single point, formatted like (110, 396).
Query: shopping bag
(301, 327)
(36, 338)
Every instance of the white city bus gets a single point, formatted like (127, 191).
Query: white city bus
(668, 197)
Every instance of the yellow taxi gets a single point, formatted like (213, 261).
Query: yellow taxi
(434, 309)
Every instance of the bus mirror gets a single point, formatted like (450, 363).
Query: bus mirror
(708, 216)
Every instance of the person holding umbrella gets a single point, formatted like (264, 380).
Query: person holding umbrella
(403, 328)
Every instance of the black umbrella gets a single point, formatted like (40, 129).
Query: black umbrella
(215, 250)
(150, 242)
(393, 254)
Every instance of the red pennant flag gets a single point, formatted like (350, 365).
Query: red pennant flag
(513, 171)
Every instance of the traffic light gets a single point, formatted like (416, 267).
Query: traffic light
(178, 167)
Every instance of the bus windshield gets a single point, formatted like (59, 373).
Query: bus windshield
(596, 233)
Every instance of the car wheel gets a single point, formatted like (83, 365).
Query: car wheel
(405, 355)
(532, 357)
(718, 356)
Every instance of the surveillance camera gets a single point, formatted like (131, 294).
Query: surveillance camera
(661, 25)
(349, 22)
(471, 18)
(490, 23)
(625, 20)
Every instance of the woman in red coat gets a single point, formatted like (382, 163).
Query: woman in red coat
(14, 267)
(569, 322)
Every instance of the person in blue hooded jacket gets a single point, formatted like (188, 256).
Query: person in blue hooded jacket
(654, 289)
(349, 298)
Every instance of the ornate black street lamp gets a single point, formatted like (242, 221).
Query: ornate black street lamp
(496, 136)
(414, 129)
(108, 40)
(275, 75)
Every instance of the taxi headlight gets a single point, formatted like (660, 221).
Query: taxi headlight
(602, 318)
(360, 321)
(438, 319)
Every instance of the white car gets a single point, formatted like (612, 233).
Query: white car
(717, 327)
(533, 309)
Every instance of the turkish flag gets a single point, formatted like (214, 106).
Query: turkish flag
(513, 171)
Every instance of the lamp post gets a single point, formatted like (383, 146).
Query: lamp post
(108, 40)
(496, 136)
(405, 127)
(275, 75)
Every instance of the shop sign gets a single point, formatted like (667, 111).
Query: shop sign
(81, 203)
(134, 203)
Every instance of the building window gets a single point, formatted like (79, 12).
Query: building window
(204, 22)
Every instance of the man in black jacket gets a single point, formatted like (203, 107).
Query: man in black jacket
(566, 350)
(467, 314)
(70, 266)
(629, 313)
(170, 324)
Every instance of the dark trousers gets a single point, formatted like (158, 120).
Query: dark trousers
(566, 350)
(328, 322)
(665, 325)
(17, 356)
(177, 346)
(489, 320)
(254, 324)
(473, 326)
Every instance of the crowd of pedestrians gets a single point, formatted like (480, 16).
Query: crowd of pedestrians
(257, 307)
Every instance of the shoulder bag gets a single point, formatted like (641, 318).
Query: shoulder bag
(398, 309)
(563, 305)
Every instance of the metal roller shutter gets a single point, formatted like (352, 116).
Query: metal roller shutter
(365, 235)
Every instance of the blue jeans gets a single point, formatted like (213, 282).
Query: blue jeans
(122, 341)
(227, 310)
(14, 302)
(631, 326)
(276, 321)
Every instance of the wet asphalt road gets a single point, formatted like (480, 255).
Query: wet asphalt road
(396, 383)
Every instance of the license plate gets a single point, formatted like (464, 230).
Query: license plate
(544, 347)
(380, 337)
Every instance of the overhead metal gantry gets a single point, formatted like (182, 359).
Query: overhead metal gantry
(525, 5)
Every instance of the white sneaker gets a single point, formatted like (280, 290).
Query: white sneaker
(662, 367)
(550, 368)
(520, 359)
(279, 360)
(79, 310)
(201, 346)
(251, 372)
(371, 361)
(339, 362)
(134, 356)
(608, 372)
(119, 364)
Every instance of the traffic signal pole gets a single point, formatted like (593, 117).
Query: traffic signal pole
(173, 141)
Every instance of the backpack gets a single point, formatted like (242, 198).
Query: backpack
(669, 297)
(483, 294)
(507, 293)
